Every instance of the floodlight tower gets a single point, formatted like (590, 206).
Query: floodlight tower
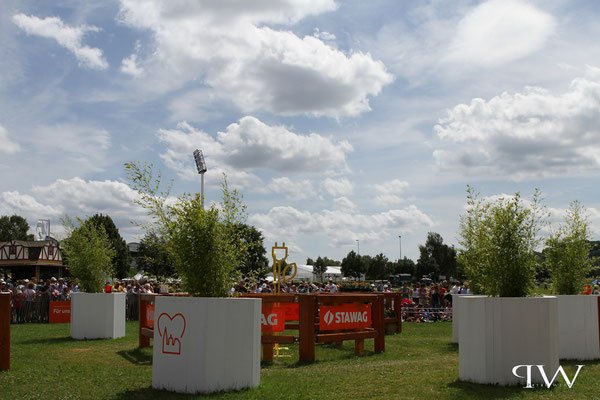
(201, 165)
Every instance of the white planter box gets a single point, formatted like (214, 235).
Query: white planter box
(456, 313)
(498, 333)
(97, 315)
(206, 344)
(578, 327)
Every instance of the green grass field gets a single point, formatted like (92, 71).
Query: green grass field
(420, 363)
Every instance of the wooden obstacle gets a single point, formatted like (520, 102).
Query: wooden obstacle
(393, 302)
(5, 331)
(308, 321)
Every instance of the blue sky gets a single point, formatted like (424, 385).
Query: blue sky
(338, 121)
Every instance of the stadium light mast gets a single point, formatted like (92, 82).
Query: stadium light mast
(201, 165)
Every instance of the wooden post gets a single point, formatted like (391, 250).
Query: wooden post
(359, 346)
(268, 352)
(4, 331)
(307, 327)
(144, 340)
(379, 324)
(398, 310)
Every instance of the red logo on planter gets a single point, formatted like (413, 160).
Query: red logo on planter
(272, 319)
(150, 315)
(171, 329)
(345, 316)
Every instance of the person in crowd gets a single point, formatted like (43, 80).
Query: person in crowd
(415, 293)
(423, 295)
(333, 288)
(405, 291)
(456, 288)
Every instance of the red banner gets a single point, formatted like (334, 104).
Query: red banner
(292, 311)
(150, 316)
(60, 312)
(272, 319)
(344, 316)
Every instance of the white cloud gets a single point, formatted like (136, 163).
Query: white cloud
(77, 197)
(291, 190)
(129, 66)
(67, 36)
(251, 145)
(338, 186)
(448, 40)
(525, 135)
(500, 31)
(394, 186)
(7, 146)
(340, 227)
(345, 204)
(260, 68)
(386, 200)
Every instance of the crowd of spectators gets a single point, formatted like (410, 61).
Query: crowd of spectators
(420, 303)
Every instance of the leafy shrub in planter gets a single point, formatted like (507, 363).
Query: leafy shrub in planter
(205, 246)
(568, 249)
(88, 253)
(499, 237)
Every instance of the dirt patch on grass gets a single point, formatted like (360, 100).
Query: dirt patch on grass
(80, 350)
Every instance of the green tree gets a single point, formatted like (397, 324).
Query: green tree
(499, 238)
(377, 267)
(122, 258)
(255, 260)
(353, 265)
(568, 251)
(205, 245)
(153, 257)
(319, 268)
(310, 261)
(89, 253)
(406, 266)
(14, 227)
(330, 263)
(436, 258)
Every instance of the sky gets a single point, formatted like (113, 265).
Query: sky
(345, 125)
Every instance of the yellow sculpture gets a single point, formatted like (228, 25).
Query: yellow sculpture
(278, 274)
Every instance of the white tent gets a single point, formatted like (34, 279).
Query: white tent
(305, 273)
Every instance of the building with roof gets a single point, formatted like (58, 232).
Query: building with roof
(25, 260)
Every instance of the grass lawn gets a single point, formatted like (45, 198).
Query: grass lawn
(420, 363)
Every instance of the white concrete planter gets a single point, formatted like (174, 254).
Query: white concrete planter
(498, 333)
(204, 345)
(456, 303)
(578, 327)
(97, 315)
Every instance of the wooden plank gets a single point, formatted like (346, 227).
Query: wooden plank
(268, 298)
(147, 332)
(294, 326)
(282, 339)
(5, 331)
(336, 337)
(307, 327)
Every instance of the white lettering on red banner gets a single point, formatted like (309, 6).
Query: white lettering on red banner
(272, 319)
(344, 316)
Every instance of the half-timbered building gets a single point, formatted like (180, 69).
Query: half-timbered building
(24, 260)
